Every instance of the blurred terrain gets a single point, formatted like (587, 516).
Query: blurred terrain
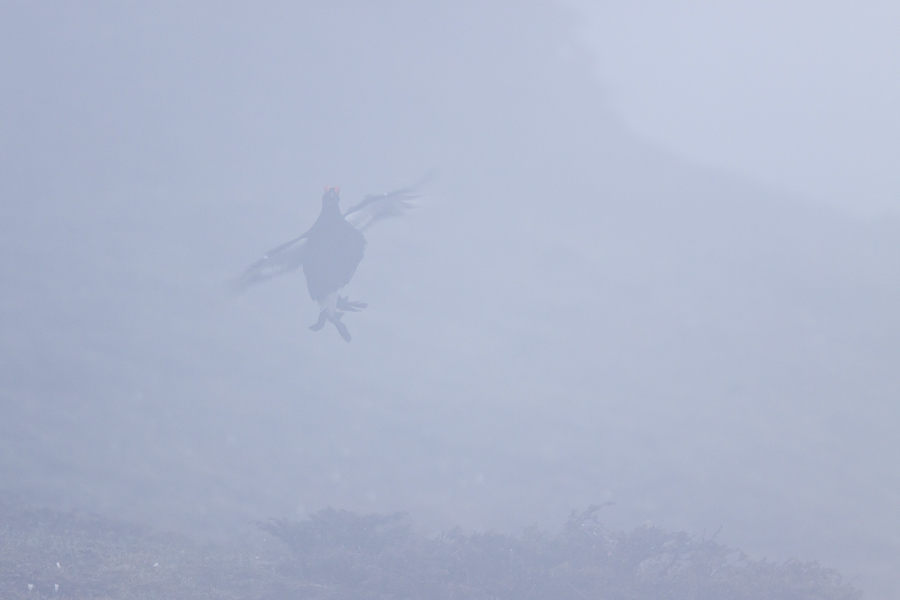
(340, 554)
(572, 317)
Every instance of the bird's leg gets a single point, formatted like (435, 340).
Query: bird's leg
(331, 310)
(342, 329)
(327, 309)
(323, 317)
(343, 303)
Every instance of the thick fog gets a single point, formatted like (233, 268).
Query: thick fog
(797, 95)
(572, 315)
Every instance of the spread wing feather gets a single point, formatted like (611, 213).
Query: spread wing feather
(277, 261)
(289, 256)
(375, 207)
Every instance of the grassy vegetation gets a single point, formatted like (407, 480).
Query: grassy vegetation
(341, 555)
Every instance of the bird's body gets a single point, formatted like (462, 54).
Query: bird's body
(329, 252)
(334, 248)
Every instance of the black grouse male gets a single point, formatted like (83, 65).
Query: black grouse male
(330, 252)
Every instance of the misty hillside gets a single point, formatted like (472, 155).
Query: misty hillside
(339, 554)
(571, 317)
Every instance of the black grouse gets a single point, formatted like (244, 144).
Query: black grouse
(329, 252)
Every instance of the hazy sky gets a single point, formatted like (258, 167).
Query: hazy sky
(800, 95)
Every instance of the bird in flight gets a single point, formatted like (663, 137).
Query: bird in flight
(330, 251)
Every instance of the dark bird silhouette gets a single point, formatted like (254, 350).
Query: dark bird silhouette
(333, 250)
(330, 251)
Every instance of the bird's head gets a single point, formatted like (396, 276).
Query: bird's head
(331, 197)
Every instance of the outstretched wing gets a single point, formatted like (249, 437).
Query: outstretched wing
(375, 207)
(277, 261)
(289, 256)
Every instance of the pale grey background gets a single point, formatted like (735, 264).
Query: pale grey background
(800, 95)
(576, 315)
